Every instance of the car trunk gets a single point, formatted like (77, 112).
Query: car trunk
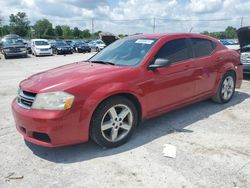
(108, 38)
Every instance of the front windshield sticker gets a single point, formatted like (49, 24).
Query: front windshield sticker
(144, 41)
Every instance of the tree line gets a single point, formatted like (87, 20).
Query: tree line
(19, 24)
(229, 33)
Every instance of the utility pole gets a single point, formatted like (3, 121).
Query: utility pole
(154, 25)
(241, 21)
(92, 25)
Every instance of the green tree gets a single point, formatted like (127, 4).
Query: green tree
(5, 30)
(19, 23)
(231, 32)
(86, 34)
(43, 28)
(96, 34)
(76, 32)
(58, 31)
(67, 33)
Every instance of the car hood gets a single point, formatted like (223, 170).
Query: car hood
(67, 76)
(64, 47)
(244, 36)
(13, 46)
(43, 47)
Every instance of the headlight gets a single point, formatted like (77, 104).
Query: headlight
(22, 49)
(6, 49)
(59, 48)
(53, 101)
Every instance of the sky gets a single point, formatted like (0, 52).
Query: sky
(134, 16)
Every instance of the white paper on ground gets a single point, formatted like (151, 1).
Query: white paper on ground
(169, 151)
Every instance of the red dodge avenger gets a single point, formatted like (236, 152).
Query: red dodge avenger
(133, 79)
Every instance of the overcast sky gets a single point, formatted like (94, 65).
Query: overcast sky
(107, 14)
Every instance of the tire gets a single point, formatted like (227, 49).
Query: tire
(5, 56)
(226, 89)
(119, 126)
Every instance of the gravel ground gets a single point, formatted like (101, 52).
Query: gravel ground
(212, 141)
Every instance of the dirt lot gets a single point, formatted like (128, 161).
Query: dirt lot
(212, 141)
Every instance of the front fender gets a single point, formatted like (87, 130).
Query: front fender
(102, 93)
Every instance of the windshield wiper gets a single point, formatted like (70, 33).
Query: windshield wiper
(102, 62)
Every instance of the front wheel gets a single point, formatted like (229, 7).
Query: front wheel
(113, 122)
(226, 89)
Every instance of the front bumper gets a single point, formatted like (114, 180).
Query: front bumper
(15, 54)
(48, 127)
(64, 51)
(246, 68)
(83, 49)
(47, 52)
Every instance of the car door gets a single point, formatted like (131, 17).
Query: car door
(206, 63)
(172, 85)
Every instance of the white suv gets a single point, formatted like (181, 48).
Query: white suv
(41, 47)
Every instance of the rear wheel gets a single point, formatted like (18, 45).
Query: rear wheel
(113, 122)
(226, 89)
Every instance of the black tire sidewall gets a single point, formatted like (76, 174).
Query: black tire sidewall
(95, 126)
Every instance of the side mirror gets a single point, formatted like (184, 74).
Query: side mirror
(159, 63)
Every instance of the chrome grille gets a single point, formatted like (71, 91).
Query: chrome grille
(25, 99)
(44, 49)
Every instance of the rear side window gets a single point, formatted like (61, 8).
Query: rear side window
(202, 47)
(175, 51)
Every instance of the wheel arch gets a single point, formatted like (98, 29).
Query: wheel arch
(228, 67)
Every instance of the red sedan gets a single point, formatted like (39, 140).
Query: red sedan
(133, 79)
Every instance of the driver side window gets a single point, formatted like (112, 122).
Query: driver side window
(175, 51)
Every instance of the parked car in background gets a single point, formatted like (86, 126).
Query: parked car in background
(40, 47)
(28, 46)
(13, 46)
(87, 41)
(244, 40)
(95, 99)
(97, 45)
(61, 47)
(80, 46)
(69, 42)
(230, 43)
(108, 38)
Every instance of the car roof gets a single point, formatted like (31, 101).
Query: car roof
(39, 40)
(164, 35)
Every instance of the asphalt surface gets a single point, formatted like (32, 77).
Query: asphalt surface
(212, 143)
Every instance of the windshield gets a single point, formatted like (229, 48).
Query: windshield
(80, 43)
(125, 52)
(61, 44)
(99, 42)
(41, 43)
(245, 48)
(13, 41)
